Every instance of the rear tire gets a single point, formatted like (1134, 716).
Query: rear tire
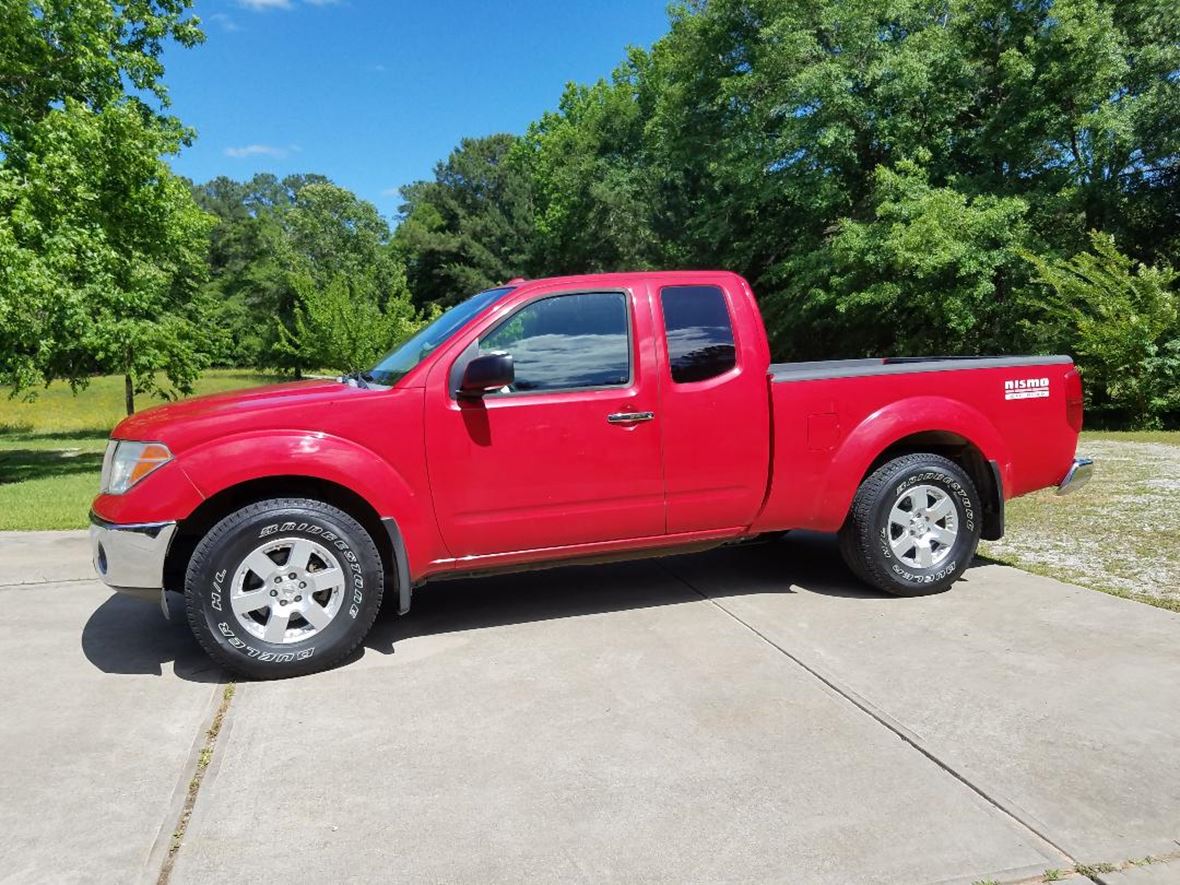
(283, 587)
(913, 527)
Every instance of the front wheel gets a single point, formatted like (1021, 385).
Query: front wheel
(283, 587)
(913, 527)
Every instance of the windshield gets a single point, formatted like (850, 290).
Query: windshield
(394, 367)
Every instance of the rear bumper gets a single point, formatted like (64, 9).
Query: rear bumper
(1079, 474)
(130, 557)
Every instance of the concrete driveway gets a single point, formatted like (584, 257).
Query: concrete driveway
(750, 714)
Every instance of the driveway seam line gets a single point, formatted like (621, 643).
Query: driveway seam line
(169, 841)
(882, 718)
(22, 584)
(158, 852)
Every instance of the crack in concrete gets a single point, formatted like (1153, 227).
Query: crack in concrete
(1004, 806)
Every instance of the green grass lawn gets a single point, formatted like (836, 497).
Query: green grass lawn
(1121, 534)
(51, 448)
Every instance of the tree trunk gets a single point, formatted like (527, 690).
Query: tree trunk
(129, 394)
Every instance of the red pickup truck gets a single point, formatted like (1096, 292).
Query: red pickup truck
(562, 420)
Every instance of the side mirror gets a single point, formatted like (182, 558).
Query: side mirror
(486, 374)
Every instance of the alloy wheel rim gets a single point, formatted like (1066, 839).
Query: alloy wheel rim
(287, 590)
(923, 526)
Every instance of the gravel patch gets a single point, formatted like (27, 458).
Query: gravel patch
(1120, 534)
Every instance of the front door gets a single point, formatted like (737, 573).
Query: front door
(570, 454)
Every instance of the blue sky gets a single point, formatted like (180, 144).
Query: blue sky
(373, 93)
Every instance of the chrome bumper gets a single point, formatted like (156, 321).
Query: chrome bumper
(130, 557)
(1079, 474)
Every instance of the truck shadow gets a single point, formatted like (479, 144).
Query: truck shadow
(802, 561)
(128, 636)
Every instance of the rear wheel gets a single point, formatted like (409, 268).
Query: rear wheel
(913, 527)
(283, 587)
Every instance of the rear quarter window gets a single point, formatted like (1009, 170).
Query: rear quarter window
(699, 332)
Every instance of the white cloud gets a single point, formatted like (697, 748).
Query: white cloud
(392, 192)
(257, 150)
(227, 23)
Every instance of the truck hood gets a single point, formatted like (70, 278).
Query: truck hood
(177, 423)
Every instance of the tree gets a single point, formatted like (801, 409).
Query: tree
(342, 326)
(277, 240)
(471, 227)
(103, 251)
(87, 51)
(813, 145)
(1122, 319)
(328, 234)
(929, 271)
(251, 262)
(101, 246)
(592, 187)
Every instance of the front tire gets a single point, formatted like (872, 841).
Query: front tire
(283, 587)
(913, 527)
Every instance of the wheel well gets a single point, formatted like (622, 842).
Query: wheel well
(215, 508)
(964, 453)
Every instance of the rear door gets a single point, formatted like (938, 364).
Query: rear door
(571, 453)
(714, 411)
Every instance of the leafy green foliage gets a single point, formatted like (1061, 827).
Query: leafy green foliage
(879, 171)
(876, 169)
(471, 227)
(927, 271)
(589, 183)
(1124, 320)
(101, 246)
(343, 326)
(277, 241)
(86, 51)
(249, 262)
(101, 252)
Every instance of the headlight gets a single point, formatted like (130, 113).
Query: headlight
(126, 463)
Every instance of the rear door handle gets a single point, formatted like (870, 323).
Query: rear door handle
(629, 417)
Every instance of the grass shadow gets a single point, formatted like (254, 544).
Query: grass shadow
(23, 465)
(25, 433)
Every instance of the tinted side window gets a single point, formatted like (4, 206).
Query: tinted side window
(700, 337)
(567, 342)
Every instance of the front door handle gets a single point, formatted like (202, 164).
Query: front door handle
(629, 417)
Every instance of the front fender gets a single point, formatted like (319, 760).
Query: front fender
(223, 463)
(892, 424)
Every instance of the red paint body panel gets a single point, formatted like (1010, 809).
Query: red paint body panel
(716, 433)
(544, 469)
(814, 481)
(514, 479)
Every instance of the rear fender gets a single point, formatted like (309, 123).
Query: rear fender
(888, 426)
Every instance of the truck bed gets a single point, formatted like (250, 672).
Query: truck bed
(1012, 412)
(897, 365)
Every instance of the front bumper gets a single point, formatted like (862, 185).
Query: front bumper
(130, 557)
(1079, 474)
